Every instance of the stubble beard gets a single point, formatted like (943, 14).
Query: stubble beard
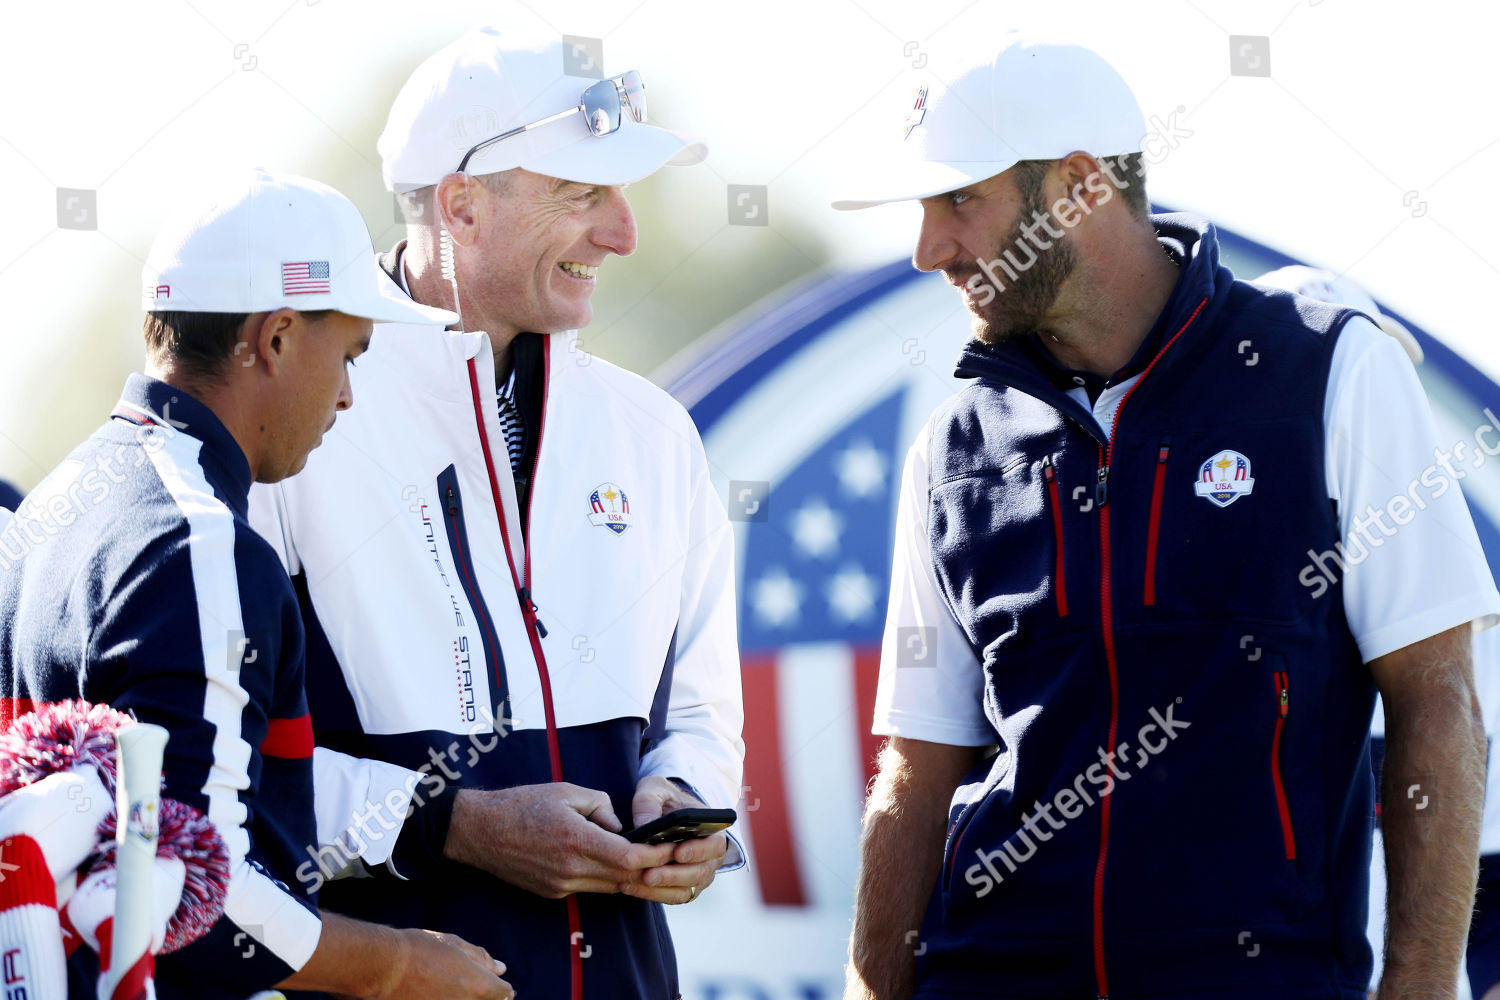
(1021, 305)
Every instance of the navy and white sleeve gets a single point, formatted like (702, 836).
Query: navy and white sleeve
(175, 646)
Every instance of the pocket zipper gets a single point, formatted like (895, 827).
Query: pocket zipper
(1283, 702)
(1059, 583)
(1155, 522)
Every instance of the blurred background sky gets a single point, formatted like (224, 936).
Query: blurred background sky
(1367, 149)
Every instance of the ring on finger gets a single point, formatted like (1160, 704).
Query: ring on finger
(692, 893)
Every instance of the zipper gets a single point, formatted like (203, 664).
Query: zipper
(1106, 615)
(955, 835)
(528, 606)
(1283, 702)
(535, 630)
(1059, 584)
(458, 543)
(1155, 523)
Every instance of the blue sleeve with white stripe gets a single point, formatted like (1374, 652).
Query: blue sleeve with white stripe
(176, 646)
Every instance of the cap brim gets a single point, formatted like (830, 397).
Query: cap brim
(391, 305)
(913, 180)
(630, 154)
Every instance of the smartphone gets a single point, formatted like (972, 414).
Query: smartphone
(681, 824)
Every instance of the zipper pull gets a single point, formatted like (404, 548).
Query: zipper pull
(529, 606)
(1101, 488)
(1166, 447)
(1048, 473)
(1285, 694)
(452, 502)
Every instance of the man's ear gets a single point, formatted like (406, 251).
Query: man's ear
(269, 337)
(1085, 181)
(454, 203)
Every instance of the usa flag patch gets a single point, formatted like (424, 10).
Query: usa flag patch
(304, 277)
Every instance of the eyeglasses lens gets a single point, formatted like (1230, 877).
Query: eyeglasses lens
(601, 107)
(635, 94)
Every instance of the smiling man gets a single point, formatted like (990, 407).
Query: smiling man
(518, 576)
(1135, 760)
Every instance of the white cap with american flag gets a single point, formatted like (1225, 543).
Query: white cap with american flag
(268, 241)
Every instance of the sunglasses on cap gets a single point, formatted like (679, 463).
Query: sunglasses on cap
(602, 105)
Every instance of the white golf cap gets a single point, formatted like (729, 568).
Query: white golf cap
(1325, 286)
(483, 85)
(266, 241)
(1031, 100)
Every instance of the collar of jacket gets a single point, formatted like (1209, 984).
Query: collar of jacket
(1202, 278)
(527, 351)
(175, 410)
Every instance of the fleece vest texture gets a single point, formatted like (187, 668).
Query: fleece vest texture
(1182, 799)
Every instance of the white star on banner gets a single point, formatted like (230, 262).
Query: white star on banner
(816, 529)
(777, 599)
(851, 594)
(861, 470)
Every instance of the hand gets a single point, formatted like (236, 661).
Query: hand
(693, 862)
(355, 960)
(552, 840)
(444, 967)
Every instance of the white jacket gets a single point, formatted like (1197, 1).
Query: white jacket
(367, 521)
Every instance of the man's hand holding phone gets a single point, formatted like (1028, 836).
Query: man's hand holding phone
(551, 840)
(694, 861)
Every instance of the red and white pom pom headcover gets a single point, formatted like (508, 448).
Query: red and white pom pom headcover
(57, 774)
(192, 878)
(59, 737)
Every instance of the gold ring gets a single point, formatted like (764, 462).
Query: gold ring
(692, 893)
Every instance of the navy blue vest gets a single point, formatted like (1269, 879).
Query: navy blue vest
(1182, 801)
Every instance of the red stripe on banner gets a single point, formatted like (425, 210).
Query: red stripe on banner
(24, 877)
(288, 738)
(866, 679)
(12, 709)
(765, 804)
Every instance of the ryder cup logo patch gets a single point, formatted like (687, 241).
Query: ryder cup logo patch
(917, 112)
(610, 507)
(1224, 478)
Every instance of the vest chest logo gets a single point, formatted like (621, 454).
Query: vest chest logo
(610, 507)
(1224, 478)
